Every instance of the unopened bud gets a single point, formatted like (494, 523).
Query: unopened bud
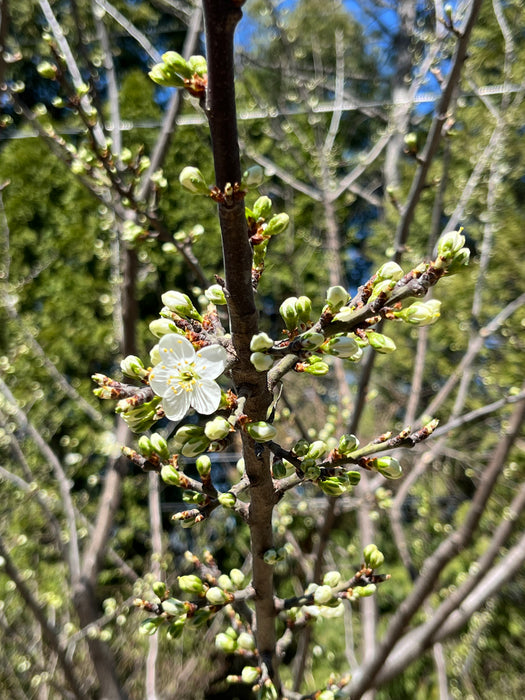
(237, 578)
(159, 588)
(387, 466)
(420, 313)
(347, 443)
(336, 297)
(216, 295)
(311, 340)
(322, 595)
(262, 208)
(246, 641)
(261, 342)
(261, 362)
(343, 346)
(227, 500)
(160, 445)
(198, 64)
(132, 366)
(460, 260)
(367, 591)
(301, 448)
(176, 628)
(316, 367)
(381, 343)
(217, 429)
(195, 446)
(150, 626)
(193, 180)
(225, 643)
(191, 584)
(303, 307)
(260, 431)
(163, 75)
(250, 674)
(170, 475)
(203, 464)
(216, 596)
(47, 70)
(278, 469)
(332, 579)
(179, 303)
(389, 271)
(317, 449)
(162, 326)
(289, 313)
(253, 177)
(277, 224)
(174, 607)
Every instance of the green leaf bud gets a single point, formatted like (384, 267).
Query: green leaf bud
(450, 243)
(191, 583)
(317, 449)
(311, 340)
(225, 643)
(317, 368)
(289, 313)
(195, 446)
(170, 475)
(173, 607)
(332, 579)
(217, 429)
(198, 65)
(150, 626)
(237, 577)
(216, 295)
(410, 140)
(384, 287)
(159, 588)
(193, 180)
(132, 366)
(420, 313)
(162, 326)
(354, 477)
(246, 641)
(253, 177)
(336, 297)
(260, 431)
(131, 231)
(177, 64)
(176, 628)
(227, 500)
(301, 448)
(261, 342)
(322, 595)
(381, 343)
(460, 260)
(216, 596)
(261, 362)
(448, 10)
(303, 307)
(347, 443)
(262, 208)
(162, 75)
(277, 224)
(47, 70)
(179, 303)
(387, 466)
(250, 674)
(203, 464)
(278, 469)
(343, 346)
(160, 446)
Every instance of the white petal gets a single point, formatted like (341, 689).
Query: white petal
(206, 396)
(174, 347)
(158, 379)
(176, 404)
(211, 361)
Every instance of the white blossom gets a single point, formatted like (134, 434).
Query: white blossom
(184, 377)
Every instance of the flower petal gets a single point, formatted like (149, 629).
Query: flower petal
(211, 361)
(174, 347)
(159, 378)
(206, 396)
(176, 403)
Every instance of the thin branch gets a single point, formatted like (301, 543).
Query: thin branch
(131, 29)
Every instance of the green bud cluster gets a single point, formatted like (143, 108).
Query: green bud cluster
(191, 440)
(154, 444)
(316, 366)
(295, 311)
(140, 418)
(191, 583)
(338, 485)
(170, 475)
(452, 255)
(372, 556)
(174, 69)
(216, 295)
